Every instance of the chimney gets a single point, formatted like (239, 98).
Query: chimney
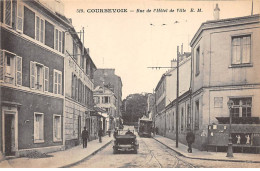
(216, 12)
(70, 20)
(174, 63)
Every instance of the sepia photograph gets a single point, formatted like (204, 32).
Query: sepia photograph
(129, 84)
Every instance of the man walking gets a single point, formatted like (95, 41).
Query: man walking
(100, 133)
(85, 135)
(190, 138)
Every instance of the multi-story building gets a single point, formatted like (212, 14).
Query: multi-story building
(31, 77)
(108, 78)
(165, 98)
(105, 98)
(79, 69)
(225, 63)
(150, 106)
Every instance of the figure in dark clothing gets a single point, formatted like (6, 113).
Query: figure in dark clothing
(190, 138)
(128, 132)
(85, 137)
(115, 133)
(156, 130)
(100, 134)
(109, 132)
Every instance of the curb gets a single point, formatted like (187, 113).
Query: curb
(96, 151)
(179, 153)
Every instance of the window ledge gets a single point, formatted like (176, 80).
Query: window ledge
(240, 65)
(57, 140)
(38, 141)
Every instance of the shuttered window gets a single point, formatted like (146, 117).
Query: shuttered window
(18, 70)
(58, 40)
(46, 78)
(19, 24)
(10, 68)
(39, 29)
(32, 75)
(57, 82)
(8, 12)
(2, 71)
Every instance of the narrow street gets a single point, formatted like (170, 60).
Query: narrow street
(152, 154)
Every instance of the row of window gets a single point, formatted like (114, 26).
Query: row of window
(11, 72)
(240, 52)
(16, 15)
(81, 92)
(39, 127)
(105, 100)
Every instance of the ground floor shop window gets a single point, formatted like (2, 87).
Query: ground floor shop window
(38, 127)
(242, 107)
(197, 104)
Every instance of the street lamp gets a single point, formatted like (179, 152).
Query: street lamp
(230, 104)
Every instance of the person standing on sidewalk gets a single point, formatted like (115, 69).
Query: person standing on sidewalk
(190, 138)
(100, 133)
(85, 135)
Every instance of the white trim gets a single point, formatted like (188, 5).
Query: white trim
(19, 71)
(57, 84)
(40, 25)
(60, 39)
(21, 17)
(40, 140)
(46, 79)
(14, 112)
(29, 39)
(29, 90)
(54, 138)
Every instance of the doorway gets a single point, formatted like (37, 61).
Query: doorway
(9, 134)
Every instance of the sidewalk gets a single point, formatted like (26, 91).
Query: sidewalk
(58, 159)
(203, 155)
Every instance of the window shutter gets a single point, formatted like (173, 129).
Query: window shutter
(8, 12)
(19, 25)
(18, 70)
(46, 79)
(2, 58)
(32, 74)
(55, 90)
(59, 83)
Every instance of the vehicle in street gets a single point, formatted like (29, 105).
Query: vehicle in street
(125, 141)
(145, 127)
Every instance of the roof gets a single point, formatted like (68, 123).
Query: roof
(213, 24)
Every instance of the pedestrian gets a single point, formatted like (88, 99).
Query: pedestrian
(85, 137)
(109, 132)
(190, 138)
(156, 130)
(100, 133)
(115, 133)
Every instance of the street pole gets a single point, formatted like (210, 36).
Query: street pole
(230, 148)
(177, 100)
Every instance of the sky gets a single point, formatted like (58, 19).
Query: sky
(131, 42)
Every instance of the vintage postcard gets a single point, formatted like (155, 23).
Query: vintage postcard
(129, 84)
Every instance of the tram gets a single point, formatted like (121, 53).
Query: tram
(145, 127)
